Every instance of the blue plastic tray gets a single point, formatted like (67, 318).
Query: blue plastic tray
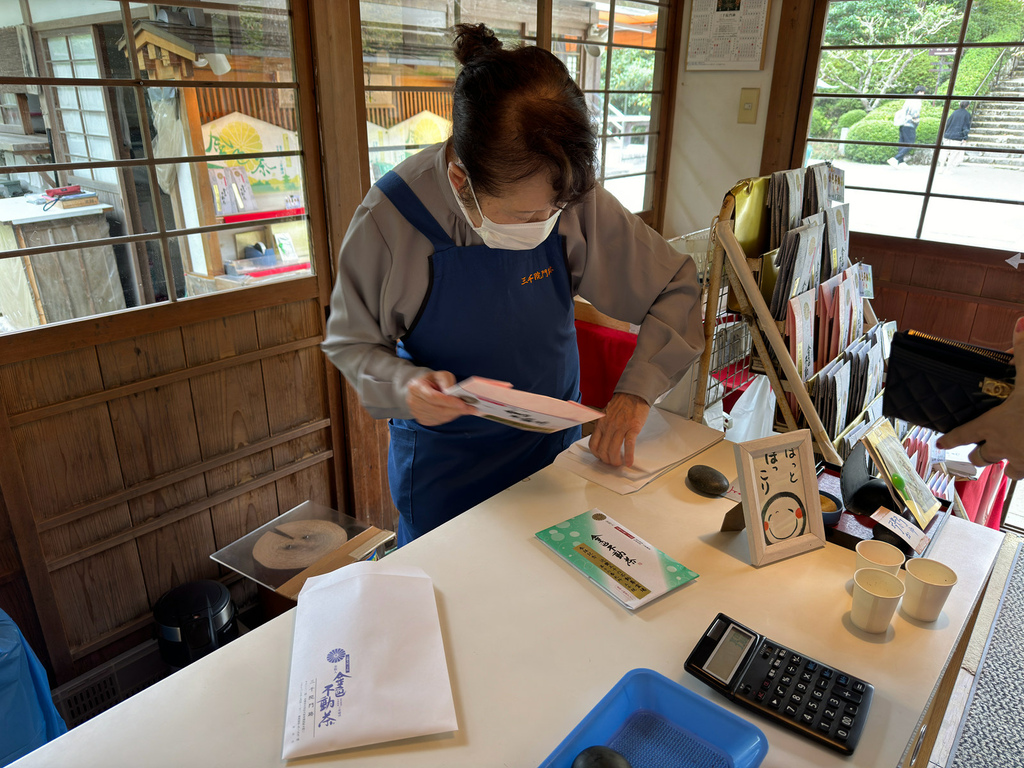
(655, 722)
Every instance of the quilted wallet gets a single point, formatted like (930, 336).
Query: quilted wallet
(941, 384)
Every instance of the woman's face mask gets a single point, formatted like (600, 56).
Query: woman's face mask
(513, 237)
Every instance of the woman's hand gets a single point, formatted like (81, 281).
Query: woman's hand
(429, 405)
(614, 436)
(998, 432)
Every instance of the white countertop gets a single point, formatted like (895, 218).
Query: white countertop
(532, 645)
(18, 210)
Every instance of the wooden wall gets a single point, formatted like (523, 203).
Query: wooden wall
(969, 295)
(139, 457)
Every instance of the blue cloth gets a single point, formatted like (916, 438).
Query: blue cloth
(500, 314)
(26, 709)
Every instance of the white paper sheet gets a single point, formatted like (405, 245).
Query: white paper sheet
(368, 661)
(666, 441)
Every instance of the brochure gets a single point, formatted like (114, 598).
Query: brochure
(616, 559)
(499, 401)
(665, 442)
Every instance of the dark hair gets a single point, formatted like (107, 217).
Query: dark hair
(516, 112)
(919, 89)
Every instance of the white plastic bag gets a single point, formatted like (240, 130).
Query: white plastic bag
(753, 413)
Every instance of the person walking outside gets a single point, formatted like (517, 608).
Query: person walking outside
(958, 127)
(907, 118)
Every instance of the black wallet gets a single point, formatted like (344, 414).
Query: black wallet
(941, 384)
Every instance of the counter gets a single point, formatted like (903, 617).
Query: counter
(532, 645)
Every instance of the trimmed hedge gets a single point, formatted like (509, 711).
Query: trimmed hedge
(848, 119)
(820, 126)
(871, 130)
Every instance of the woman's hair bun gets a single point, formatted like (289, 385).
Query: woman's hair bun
(473, 40)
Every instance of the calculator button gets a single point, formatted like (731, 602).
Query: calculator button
(745, 689)
(833, 702)
(818, 695)
(801, 687)
(822, 683)
(846, 721)
(826, 673)
(811, 666)
(842, 734)
(790, 710)
(794, 659)
(766, 684)
(796, 698)
(777, 663)
(850, 696)
(807, 718)
(791, 669)
(782, 653)
(806, 677)
(780, 690)
(829, 714)
(852, 709)
(760, 695)
(825, 725)
(843, 680)
(772, 673)
(774, 702)
(812, 706)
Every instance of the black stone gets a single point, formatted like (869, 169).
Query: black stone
(600, 757)
(707, 480)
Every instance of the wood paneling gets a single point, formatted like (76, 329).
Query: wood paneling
(176, 554)
(52, 379)
(231, 410)
(243, 514)
(310, 484)
(298, 385)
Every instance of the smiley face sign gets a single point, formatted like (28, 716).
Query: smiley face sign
(783, 517)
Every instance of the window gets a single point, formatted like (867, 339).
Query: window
(178, 124)
(922, 105)
(617, 52)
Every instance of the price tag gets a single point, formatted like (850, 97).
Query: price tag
(903, 528)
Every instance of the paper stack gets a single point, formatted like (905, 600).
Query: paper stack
(665, 442)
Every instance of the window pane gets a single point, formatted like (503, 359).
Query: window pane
(912, 177)
(991, 71)
(895, 22)
(637, 24)
(634, 192)
(82, 47)
(995, 21)
(629, 154)
(971, 173)
(284, 255)
(883, 213)
(882, 70)
(957, 221)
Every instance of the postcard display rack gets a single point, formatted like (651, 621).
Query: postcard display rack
(755, 218)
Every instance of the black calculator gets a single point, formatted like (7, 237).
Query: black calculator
(820, 702)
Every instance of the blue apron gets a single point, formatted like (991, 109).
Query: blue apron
(501, 314)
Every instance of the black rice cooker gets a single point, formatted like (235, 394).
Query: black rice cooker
(193, 620)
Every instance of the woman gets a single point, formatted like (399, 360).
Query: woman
(464, 261)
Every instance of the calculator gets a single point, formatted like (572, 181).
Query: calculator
(817, 700)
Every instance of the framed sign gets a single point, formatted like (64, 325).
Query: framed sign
(781, 505)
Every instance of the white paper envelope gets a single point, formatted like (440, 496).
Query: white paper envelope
(368, 661)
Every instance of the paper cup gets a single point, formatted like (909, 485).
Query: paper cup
(875, 597)
(929, 583)
(872, 553)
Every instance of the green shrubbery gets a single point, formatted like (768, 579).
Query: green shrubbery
(848, 119)
(820, 126)
(871, 130)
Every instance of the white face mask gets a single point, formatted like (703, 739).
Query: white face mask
(511, 237)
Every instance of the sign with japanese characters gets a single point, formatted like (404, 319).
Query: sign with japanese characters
(616, 559)
(781, 505)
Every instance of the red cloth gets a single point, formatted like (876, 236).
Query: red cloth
(983, 499)
(604, 353)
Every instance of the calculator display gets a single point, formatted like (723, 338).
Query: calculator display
(729, 653)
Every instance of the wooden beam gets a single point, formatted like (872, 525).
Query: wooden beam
(18, 501)
(787, 83)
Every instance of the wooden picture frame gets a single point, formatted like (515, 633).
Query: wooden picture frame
(781, 505)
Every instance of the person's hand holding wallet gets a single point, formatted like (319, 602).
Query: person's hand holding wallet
(964, 391)
(999, 432)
